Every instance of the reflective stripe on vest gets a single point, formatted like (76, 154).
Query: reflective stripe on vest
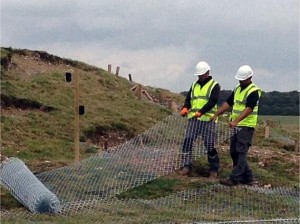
(199, 97)
(240, 98)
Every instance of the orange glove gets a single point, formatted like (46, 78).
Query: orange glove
(198, 114)
(184, 112)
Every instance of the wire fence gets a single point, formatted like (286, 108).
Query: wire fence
(92, 185)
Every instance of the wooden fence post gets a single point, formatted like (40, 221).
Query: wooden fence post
(170, 104)
(139, 91)
(267, 129)
(147, 95)
(109, 68)
(105, 144)
(141, 141)
(117, 70)
(76, 114)
(129, 76)
(297, 146)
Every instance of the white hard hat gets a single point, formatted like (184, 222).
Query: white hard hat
(244, 73)
(201, 68)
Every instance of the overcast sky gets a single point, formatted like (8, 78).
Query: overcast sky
(160, 42)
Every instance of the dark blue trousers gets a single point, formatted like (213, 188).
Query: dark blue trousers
(207, 130)
(241, 141)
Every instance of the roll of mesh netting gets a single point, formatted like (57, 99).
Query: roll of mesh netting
(27, 188)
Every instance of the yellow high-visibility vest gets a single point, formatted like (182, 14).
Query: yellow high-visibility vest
(199, 97)
(240, 98)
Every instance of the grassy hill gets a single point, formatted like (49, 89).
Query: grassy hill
(37, 124)
(37, 106)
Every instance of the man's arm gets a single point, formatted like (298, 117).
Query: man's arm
(242, 116)
(224, 107)
(251, 102)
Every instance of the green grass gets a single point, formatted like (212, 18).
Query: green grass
(231, 204)
(8, 201)
(108, 104)
(4, 52)
(154, 189)
(285, 124)
(33, 135)
(283, 120)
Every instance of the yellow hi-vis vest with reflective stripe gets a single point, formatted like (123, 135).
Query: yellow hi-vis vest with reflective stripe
(199, 97)
(240, 98)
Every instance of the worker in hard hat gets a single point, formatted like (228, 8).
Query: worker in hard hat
(244, 102)
(199, 107)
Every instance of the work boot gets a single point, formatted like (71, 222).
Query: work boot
(213, 175)
(249, 182)
(227, 182)
(185, 171)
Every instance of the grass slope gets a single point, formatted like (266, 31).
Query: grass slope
(32, 133)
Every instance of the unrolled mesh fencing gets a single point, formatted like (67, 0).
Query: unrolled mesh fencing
(92, 185)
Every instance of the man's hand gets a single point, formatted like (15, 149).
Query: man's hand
(233, 124)
(184, 112)
(198, 114)
(213, 118)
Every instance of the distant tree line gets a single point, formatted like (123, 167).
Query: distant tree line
(271, 103)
